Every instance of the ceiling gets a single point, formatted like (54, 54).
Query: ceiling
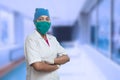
(61, 11)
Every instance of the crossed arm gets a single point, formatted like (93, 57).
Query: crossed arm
(43, 66)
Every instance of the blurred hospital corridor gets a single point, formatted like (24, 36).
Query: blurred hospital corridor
(82, 66)
(89, 30)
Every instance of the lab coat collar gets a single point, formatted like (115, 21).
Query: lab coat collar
(39, 36)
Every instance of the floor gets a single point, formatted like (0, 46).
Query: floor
(80, 67)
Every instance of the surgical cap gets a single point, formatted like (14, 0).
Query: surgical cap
(39, 12)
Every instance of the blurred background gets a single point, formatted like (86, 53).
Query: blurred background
(89, 30)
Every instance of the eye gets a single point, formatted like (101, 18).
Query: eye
(40, 19)
(47, 19)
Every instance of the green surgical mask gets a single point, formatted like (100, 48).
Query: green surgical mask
(42, 26)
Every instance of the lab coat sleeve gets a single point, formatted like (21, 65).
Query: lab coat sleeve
(60, 50)
(32, 53)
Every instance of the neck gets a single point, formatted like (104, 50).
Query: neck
(43, 36)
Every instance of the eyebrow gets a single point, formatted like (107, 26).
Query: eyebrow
(43, 17)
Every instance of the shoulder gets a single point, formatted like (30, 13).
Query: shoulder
(31, 36)
(30, 39)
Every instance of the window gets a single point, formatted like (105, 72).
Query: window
(104, 19)
(6, 28)
(93, 27)
(116, 32)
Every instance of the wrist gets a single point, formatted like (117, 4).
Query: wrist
(58, 66)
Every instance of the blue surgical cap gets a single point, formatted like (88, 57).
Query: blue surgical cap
(39, 12)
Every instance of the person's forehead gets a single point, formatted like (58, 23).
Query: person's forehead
(44, 16)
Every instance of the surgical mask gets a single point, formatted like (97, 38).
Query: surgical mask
(42, 26)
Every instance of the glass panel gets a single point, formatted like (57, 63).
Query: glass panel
(93, 26)
(116, 34)
(104, 27)
(6, 28)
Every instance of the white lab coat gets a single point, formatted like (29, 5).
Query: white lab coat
(36, 50)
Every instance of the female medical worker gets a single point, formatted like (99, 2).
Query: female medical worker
(43, 53)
